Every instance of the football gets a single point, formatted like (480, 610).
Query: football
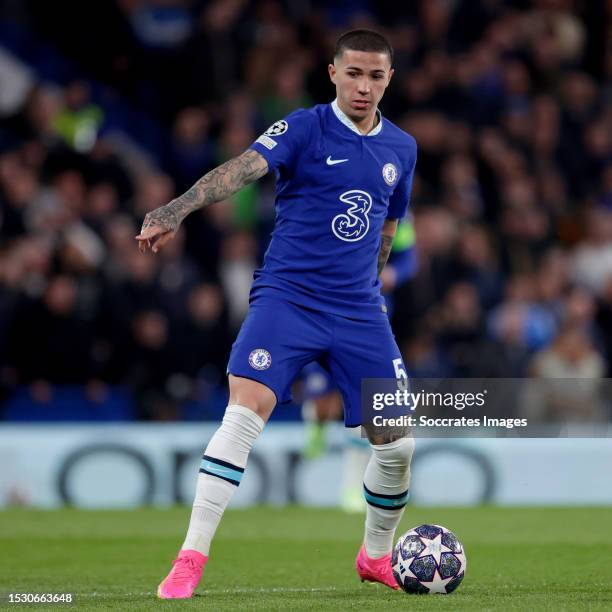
(429, 559)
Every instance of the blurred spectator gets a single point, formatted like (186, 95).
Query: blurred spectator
(177, 276)
(202, 342)
(80, 120)
(149, 366)
(424, 359)
(191, 152)
(288, 92)
(592, 258)
(235, 138)
(49, 339)
(36, 118)
(570, 374)
(238, 262)
(102, 203)
(160, 23)
(152, 190)
(571, 355)
(458, 324)
(519, 319)
(478, 264)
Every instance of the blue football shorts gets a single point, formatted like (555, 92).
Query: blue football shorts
(278, 338)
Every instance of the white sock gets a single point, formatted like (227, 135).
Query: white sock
(222, 467)
(385, 484)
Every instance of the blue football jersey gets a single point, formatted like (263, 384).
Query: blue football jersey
(334, 189)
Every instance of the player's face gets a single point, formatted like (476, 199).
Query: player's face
(361, 78)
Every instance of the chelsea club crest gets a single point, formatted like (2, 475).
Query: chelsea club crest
(260, 359)
(389, 173)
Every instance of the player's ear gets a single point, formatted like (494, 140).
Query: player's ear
(331, 69)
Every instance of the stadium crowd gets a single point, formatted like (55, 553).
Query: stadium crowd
(509, 102)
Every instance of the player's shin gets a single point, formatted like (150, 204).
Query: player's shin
(221, 470)
(385, 484)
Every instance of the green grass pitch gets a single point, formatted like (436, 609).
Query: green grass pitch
(302, 559)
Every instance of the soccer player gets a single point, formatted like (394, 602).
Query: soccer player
(344, 176)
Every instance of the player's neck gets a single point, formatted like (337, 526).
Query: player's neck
(367, 124)
(364, 125)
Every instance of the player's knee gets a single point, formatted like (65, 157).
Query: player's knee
(397, 454)
(253, 395)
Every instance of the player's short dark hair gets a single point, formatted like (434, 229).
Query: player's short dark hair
(363, 40)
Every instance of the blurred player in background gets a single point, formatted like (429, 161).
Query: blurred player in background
(344, 176)
(322, 401)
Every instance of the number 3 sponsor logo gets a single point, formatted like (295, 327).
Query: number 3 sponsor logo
(355, 223)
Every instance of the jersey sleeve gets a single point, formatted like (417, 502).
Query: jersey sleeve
(282, 142)
(398, 202)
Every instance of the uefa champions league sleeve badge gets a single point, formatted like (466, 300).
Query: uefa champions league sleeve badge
(277, 128)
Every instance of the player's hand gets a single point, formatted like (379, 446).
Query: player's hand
(158, 229)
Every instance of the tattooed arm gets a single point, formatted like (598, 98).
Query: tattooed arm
(386, 241)
(160, 225)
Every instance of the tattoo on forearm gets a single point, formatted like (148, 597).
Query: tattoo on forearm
(385, 250)
(216, 185)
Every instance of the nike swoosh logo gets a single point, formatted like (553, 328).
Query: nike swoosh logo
(332, 162)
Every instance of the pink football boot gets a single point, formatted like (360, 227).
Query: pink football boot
(375, 570)
(184, 576)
